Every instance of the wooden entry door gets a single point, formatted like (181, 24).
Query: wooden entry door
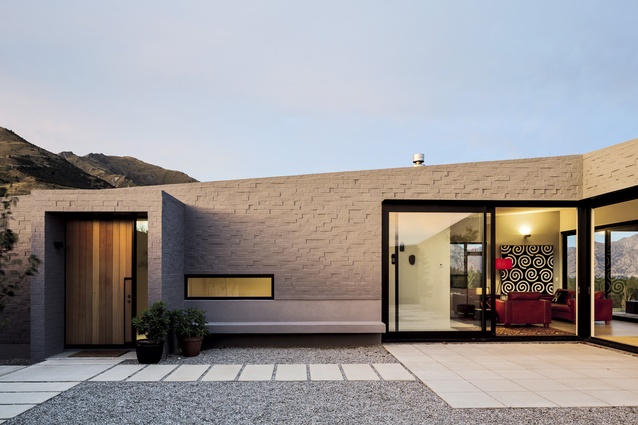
(99, 269)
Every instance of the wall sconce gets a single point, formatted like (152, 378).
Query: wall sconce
(526, 231)
(504, 264)
(401, 247)
(412, 259)
(526, 236)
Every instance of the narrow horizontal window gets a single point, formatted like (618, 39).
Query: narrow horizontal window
(230, 286)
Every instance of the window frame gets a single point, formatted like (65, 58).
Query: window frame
(214, 275)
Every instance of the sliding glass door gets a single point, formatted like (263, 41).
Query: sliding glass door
(435, 271)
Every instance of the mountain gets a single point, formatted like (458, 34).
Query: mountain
(624, 258)
(125, 171)
(25, 166)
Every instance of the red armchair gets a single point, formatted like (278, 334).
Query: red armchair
(524, 308)
(564, 306)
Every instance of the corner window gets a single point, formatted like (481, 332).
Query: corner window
(230, 286)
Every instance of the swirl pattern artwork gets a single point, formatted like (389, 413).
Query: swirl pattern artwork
(532, 269)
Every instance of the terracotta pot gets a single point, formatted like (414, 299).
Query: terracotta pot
(149, 352)
(190, 346)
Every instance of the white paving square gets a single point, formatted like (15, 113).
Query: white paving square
(463, 400)
(616, 397)
(36, 386)
(8, 411)
(359, 372)
(118, 373)
(256, 372)
(187, 373)
(4, 370)
(222, 372)
(152, 373)
(291, 372)
(393, 372)
(67, 372)
(26, 398)
(572, 398)
(325, 372)
(520, 399)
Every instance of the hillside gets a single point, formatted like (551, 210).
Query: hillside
(125, 171)
(25, 166)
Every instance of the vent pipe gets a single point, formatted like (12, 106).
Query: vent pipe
(418, 159)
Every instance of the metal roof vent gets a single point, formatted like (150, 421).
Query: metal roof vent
(418, 159)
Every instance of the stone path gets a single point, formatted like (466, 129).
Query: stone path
(22, 388)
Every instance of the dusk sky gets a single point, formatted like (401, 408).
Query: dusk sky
(242, 89)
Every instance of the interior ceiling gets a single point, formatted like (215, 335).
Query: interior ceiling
(414, 228)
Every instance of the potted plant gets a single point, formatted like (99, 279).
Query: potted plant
(190, 327)
(154, 323)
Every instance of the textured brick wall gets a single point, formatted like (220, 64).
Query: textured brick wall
(18, 309)
(610, 169)
(172, 248)
(321, 234)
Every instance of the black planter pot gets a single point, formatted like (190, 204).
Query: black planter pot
(149, 352)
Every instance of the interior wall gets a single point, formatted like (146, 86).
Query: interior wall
(617, 213)
(544, 228)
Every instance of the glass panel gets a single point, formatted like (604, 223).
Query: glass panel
(141, 284)
(436, 271)
(624, 270)
(229, 287)
(571, 262)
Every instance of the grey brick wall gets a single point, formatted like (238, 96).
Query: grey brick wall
(172, 248)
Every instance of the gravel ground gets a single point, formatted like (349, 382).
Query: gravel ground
(381, 402)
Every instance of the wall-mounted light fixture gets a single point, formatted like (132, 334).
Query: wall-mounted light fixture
(504, 264)
(525, 230)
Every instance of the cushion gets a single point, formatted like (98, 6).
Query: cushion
(560, 296)
(524, 296)
(599, 295)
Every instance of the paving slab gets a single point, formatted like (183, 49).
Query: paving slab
(325, 372)
(26, 398)
(291, 372)
(61, 373)
(254, 372)
(118, 373)
(393, 372)
(9, 369)
(187, 373)
(152, 373)
(359, 372)
(8, 411)
(36, 386)
(222, 372)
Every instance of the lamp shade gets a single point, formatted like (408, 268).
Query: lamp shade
(504, 264)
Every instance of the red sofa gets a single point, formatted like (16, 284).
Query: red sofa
(524, 308)
(564, 306)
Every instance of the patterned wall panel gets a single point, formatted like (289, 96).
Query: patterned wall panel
(532, 269)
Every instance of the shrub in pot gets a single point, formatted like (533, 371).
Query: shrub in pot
(190, 327)
(154, 324)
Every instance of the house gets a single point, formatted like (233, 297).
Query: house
(353, 257)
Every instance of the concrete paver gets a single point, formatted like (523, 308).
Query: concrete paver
(359, 372)
(152, 373)
(187, 373)
(257, 372)
(118, 373)
(222, 372)
(291, 372)
(325, 372)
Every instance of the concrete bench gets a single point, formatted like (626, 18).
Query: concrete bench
(307, 327)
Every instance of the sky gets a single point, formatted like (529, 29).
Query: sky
(241, 89)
